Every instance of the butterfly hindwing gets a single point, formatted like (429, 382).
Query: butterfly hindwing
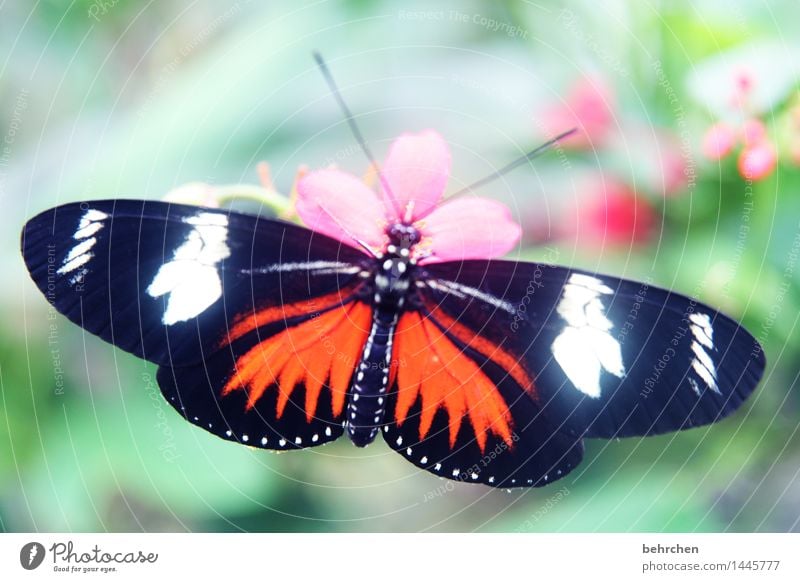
(471, 422)
(165, 281)
(605, 357)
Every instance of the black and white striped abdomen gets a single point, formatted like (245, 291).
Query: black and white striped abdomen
(367, 404)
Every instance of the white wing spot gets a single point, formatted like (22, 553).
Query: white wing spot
(191, 280)
(90, 224)
(585, 348)
(702, 340)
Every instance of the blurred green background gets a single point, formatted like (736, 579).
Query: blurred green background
(686, 174)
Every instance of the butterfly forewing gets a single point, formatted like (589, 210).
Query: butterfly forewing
(165, 281)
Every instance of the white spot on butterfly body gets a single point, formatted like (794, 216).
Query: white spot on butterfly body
(585, 348)
(191, 279)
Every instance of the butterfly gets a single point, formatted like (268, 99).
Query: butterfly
(281, 337)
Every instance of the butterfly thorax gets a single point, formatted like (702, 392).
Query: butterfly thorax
(367, 401)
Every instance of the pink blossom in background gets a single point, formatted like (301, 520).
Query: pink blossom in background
(589, 106)
(416, 170)
(758, 157)
(718, 141)
(756, 162)
(611, 214)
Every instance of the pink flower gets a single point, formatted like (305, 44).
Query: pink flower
(589, 106)
(718, 141)
(757, 161)
(416, 170)
(613, 215)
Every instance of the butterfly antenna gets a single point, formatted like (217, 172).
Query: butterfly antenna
(534, 153)
(351, 122)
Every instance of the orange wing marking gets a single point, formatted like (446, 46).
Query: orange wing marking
(322, 349)
(248, 322)
(443, 376)
(485, 347)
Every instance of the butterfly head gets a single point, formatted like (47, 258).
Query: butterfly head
(403, 236)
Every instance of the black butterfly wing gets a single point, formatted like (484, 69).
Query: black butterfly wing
(165, 281)
(608, 357)
(531, 358)
(254, 322)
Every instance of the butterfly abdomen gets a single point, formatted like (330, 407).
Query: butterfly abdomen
(367, 403)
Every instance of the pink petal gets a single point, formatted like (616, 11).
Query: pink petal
(416, 170)
(341, 206)
(468, 228)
